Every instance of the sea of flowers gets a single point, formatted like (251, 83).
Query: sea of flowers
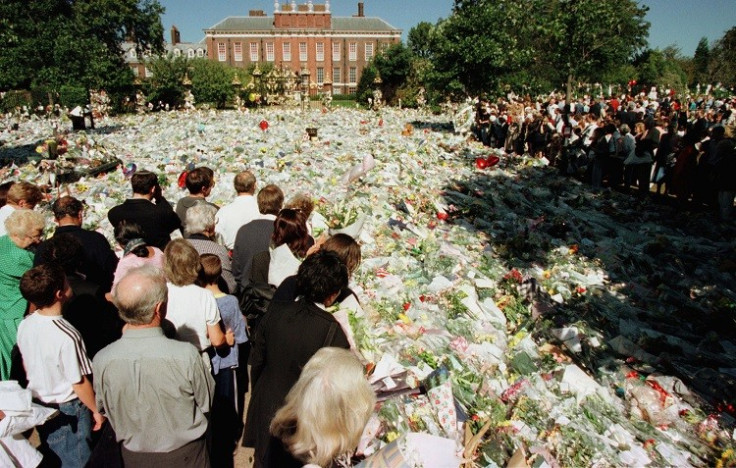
(507, 309)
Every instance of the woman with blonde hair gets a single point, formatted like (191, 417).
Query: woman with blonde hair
(24, 229)
(324, 413)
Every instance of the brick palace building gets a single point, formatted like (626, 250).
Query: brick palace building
(334, 50)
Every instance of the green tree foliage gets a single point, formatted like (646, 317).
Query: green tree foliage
(394, 66)
(166, 82)
(365, 84)
(723, 59)
(590, 37)
(421, 39)
(211, 82)
(661, 68)
(480, 42)
(701, 62)
(51, 43)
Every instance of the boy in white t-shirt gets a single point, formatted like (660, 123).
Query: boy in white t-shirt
(57, 366)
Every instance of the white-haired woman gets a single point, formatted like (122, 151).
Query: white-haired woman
(24, 229)
(199, 230)
(324, 414)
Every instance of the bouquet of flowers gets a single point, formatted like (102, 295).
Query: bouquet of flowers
(341, 217)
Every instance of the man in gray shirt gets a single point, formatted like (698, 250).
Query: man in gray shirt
(155, 391)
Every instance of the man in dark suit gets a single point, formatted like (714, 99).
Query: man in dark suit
(289, 334)
(157, 220)
(99, 259)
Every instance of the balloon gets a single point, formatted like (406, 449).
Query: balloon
(129, 170)
(182, 179)
(492, 160)
(481, 163)
(263, 125)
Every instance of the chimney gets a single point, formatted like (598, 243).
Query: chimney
(175, 36)
(258, 13)
(361, 12)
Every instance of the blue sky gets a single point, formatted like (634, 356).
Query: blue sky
(679, 22)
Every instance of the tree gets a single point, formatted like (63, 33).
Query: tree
(661, 68)
(589, 37)
(421, 40)
(723, 59)
(165, 85)
(701, 62)
(211, 82)
(480, 42)
(50, 43)
(394, 66)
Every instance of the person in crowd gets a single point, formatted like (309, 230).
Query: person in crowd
(100, 261)
(306, 327)
(705, 191)
(240, 211)
(725, 181)
(324, 414)
(669, 144)
(199, 182)
(192, 309)
(346, 248)
(136, 251)
(290, 242)
(598, 152)
(683, 174)
(227, 410)
(149, 209)
(4, 188)
(156, 392)
(304, 204)
(88, 311)
(199, 229)
(24, 230)
(21, 195)
(57, 368)
(255, 236)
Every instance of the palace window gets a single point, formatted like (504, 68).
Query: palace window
(253, 51)
(302, 51)
(221, 52)
(335, 51)
(320, 51)
(286, 50)
(353, 51)
(269, 52)
(238, 51)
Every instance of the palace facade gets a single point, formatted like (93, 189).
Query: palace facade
(305, 39)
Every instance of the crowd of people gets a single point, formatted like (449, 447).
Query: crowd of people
(684, 148)
(144, 350)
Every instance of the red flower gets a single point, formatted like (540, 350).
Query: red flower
(407, 305)
(514, 275)
(442, 216)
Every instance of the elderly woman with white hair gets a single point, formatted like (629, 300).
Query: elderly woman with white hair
(24, 229)
(199, 230)
(324, 414)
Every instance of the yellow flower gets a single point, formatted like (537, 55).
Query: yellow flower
(404, 319)
(391, 436)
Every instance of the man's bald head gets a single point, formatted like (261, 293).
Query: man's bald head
(139, 293)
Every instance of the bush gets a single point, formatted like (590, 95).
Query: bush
(72, 96)
(13, 99)
(211, 82)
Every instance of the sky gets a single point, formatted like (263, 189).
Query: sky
(673, 22)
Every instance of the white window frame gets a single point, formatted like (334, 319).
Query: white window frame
(238, 51)
(336, 75)
(320, 75)
(353, 51)
(270, 54)
(200, 53)
(253, 48)
(177, 52)
(303, 52)
(286, 51)
(190, 53)
(221, 52)
(336, 51)
(369, 51)
(353, 75)
(319, 49)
